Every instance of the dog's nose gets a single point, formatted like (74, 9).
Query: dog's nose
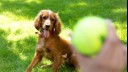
(47, 26)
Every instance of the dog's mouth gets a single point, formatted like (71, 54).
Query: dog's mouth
(46, 33)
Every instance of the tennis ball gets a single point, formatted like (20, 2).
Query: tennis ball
(89, 35)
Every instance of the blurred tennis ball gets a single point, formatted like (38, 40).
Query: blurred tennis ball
(89, 35)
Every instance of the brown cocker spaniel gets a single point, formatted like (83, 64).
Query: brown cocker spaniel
(50, 44)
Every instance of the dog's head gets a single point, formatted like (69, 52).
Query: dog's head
(47, 21)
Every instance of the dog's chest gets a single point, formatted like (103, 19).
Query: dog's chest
(41, 43)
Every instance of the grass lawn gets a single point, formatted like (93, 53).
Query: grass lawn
(17, 33)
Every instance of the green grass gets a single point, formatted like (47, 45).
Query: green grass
(17, 33)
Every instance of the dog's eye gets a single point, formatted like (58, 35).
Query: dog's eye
(52, 19)
(44, 18)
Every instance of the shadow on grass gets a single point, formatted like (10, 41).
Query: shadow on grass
(15, 55)
(63, 68)
(70, 11)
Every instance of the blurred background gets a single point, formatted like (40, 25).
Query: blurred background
(17, 32)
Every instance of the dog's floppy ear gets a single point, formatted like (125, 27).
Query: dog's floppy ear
(57, 24)
(37, 21)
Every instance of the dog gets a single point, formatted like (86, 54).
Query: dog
(50, 44)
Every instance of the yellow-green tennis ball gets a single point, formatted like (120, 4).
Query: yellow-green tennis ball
(89, 35)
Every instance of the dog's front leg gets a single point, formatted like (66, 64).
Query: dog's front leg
(36, 60)
(39, 53)
(56, 63)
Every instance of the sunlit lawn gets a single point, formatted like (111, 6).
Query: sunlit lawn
(17, 33)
